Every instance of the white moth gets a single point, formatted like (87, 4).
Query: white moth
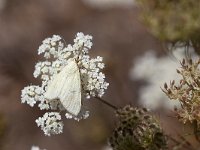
(66, 86)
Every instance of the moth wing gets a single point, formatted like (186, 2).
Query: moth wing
(70, 96)
(57, 83)
(66, 86)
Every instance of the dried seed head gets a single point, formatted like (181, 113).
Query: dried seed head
(137, 130)
(183, 62)
(173, 82)
(165, 86)
(178, 71)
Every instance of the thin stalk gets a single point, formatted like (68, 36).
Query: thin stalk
(196, 131)
(183, 144)
(106, 103)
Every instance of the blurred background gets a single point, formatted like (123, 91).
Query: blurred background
(130, 52)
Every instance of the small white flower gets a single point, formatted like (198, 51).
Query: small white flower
(57, 55)
(31, 94)
(36, 148)
(50, 123)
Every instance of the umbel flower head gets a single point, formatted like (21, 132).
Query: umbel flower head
(89, 80)
(137, 130)
(186, 92)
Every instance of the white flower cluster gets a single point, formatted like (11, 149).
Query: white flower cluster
(57, 55)
(50, 123)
